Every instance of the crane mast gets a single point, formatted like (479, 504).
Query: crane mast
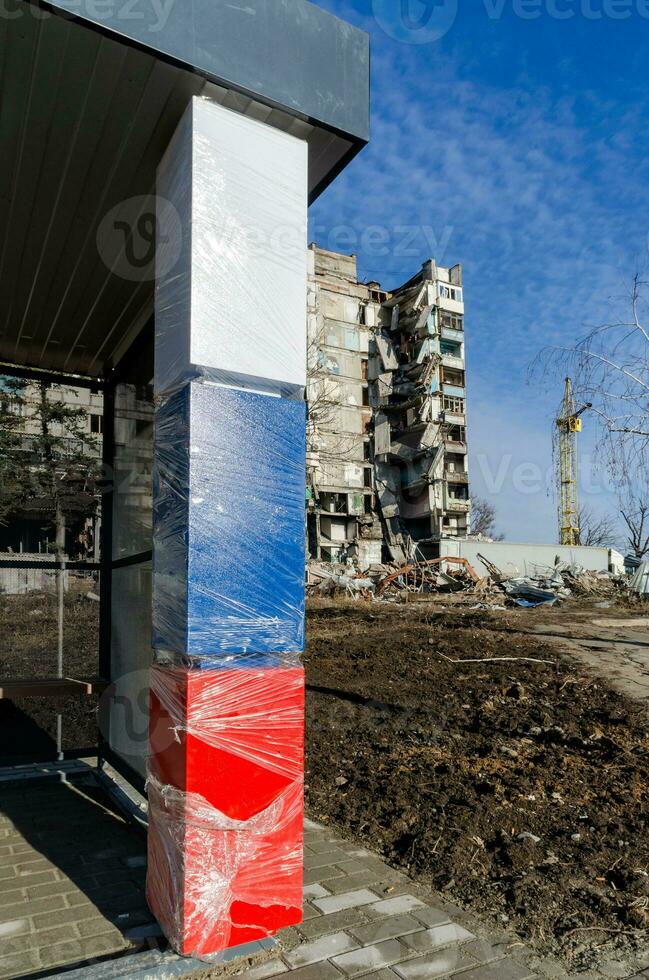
(569, 424)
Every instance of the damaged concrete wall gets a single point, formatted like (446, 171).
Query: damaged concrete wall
(387, 413)
(418, 385)
(341, 519)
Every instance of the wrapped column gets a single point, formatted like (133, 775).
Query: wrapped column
(227, 689)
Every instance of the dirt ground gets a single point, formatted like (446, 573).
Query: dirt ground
(518, 789)
(28, 648)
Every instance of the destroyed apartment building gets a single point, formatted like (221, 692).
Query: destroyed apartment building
(387, 445)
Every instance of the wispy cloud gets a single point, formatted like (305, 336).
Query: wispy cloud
(540, 194)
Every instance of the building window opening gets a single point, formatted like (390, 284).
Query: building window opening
(450, 292)
(333, 503)
(452, 321)
(458, 491)
(453, 405)
(450, 348)
(455, 463)
(456, 433)
(452, 377)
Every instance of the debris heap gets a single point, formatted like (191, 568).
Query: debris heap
(491, 588)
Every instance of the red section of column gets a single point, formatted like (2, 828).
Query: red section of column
(225, 804)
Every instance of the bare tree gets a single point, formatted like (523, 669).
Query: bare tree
(324, 407)
(47, 457)
(11, 476)
(596, 530)
(610, 369)
(635, 513)
(483, 519)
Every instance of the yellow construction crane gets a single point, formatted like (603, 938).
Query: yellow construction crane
(569, 424)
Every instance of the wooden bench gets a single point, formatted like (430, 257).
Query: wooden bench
(51, 687)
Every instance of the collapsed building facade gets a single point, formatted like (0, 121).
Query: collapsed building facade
(387, 444)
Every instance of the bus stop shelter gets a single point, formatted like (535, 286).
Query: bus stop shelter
(158, 159)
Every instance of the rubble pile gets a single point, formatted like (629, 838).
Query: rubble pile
(598, 584)
(492, 589)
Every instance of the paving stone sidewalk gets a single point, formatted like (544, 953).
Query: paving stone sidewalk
(363, 919)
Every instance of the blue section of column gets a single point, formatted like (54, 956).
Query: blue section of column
(229, 525)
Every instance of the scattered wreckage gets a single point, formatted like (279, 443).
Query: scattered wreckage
(452, 575)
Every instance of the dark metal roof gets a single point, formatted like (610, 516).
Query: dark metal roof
(290, 53)
(90, 95)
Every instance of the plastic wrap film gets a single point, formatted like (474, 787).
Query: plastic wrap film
(226, 726)
(231, 257)
(240, 868)
(234, 714)
(229, 549)
(225, 805)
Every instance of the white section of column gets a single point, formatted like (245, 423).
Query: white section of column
(231, 256)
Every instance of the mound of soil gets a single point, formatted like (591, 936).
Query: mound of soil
(519, 789)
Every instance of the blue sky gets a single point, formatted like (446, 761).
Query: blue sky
(515, 141)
